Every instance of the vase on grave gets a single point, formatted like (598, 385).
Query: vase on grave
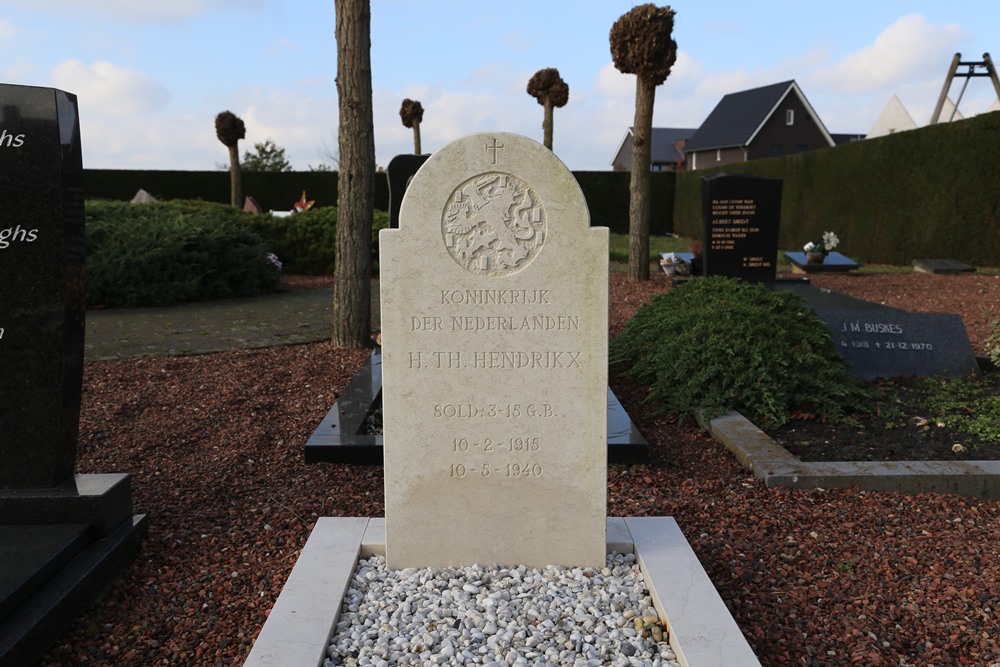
(815, 257)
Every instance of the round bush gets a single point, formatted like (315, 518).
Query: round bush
(718, 344)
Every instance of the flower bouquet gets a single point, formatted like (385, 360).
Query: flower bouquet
(817, 250)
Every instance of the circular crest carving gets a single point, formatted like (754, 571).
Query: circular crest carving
(494, 224)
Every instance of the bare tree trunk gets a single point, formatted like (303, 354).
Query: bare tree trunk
(352, 271)
(638, 205)
(416, 137)
(547, 125)
(235, 177)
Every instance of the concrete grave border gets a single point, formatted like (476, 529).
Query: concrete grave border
(776, 466)
(701, 629)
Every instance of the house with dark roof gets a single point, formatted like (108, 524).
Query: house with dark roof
(762, 122)
(666, 149)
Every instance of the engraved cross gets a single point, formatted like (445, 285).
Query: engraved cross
(495, 148)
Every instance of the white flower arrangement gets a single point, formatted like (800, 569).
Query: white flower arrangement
(825, 244)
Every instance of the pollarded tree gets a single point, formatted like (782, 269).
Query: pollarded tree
(551, 91)
(642, 44)
(229, 128)
(412, 114)
(352, 269)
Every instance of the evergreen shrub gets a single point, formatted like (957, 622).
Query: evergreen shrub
(305, 242)
(164, 253)
(718, 344)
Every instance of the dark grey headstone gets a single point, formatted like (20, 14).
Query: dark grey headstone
(740, 219)
(31, 554)
(879, 341)
(41, 285)
(891, 343)
(820, 299)
(834, 261)
(399, 171)
(942, 266)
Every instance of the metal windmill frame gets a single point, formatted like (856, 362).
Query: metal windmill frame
(986, 64)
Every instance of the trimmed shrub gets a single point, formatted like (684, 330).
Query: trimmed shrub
(717, 344)
(305, 242)
(166, 253)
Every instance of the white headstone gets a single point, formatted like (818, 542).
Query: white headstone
(494, 297)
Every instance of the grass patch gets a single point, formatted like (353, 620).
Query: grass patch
(618, 247)
(971, 405)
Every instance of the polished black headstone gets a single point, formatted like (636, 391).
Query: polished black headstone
(740, 219)
(879, 341)
(399, 171)
(41, 285)
(31, 554)
(891, 343)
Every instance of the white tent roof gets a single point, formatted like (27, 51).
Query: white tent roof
(894, 118)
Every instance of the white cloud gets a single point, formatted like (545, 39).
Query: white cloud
(19, 70)
(612, 83)
(114, 90)
(909, 50)
(7, 31)
(283, 46)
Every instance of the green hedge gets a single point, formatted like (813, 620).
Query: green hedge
(607, 195)
(166, 253)
(606, 192)
(926, 193)
(274, 191)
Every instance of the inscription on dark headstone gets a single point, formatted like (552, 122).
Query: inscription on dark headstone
(41, 285)
(893, 343)
(740, 218)
(879, 341)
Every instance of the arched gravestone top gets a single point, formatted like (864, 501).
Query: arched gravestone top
(494, 361)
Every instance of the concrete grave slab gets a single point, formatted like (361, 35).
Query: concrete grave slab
(945, 266)
(702, 632)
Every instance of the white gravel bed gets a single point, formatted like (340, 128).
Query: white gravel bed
(499, 616)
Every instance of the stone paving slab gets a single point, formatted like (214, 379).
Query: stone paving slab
(287, 317)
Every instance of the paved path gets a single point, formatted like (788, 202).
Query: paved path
(283, 318)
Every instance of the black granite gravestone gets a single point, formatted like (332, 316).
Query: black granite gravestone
(63, 536)
(399, 171)
(41, 285)
(890, 343)
(878, 341)
(740, 218)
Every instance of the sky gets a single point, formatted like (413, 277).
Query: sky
(151, 75)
